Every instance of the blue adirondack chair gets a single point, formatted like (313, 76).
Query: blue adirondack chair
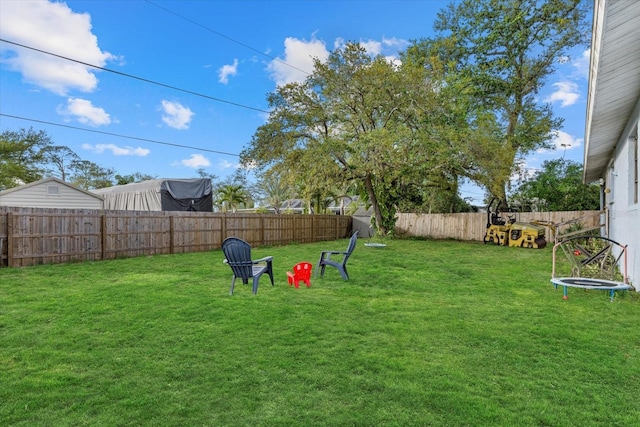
(340, 264)
(238, 256)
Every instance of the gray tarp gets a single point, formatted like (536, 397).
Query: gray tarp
(160, 195)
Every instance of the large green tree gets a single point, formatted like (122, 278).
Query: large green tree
(23, 156)
(274, 191)
(29, 155)
(499, 53)
(60, 161)
(89, 175)
(558, 186)
(134, 177)
(355, 120)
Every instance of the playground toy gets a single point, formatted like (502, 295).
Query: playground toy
(593, 261)
(301, 272)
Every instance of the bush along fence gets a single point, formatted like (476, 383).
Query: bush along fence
(31, 236)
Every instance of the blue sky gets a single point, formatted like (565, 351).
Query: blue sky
(230, 54)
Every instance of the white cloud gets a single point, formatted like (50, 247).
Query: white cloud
(227, 70)
(225, 164)
(298, 54)
(51, 27)
(563, 141)
(196, 161)
(116, 150)
(373, 47)
(582, 64)
(176, 115)
(84, 112)
(566, 93)
(301, 53)
(394, 43)
(395, 61)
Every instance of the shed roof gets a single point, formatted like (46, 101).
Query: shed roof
(48, 180)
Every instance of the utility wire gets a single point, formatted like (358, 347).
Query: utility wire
(134, 77)
(226, 37)
(152, 141)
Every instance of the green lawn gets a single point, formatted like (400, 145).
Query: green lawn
(426, 333)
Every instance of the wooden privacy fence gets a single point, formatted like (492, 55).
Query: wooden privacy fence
(472, 226)
(51, 236)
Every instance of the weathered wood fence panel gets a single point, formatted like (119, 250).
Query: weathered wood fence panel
(198, 234)
(51, 237)
(135, 235)
(30, 236)
(472, 226)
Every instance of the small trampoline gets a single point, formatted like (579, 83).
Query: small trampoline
(376, 245)
(589, 283)
(373, 244)
(592, 262)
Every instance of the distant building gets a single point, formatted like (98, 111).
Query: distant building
(50, 193)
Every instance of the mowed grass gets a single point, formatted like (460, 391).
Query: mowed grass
(426, 333)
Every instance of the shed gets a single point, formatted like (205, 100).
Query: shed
(160, 195)
(50, 193)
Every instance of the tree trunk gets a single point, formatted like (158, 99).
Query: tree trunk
(374, 205)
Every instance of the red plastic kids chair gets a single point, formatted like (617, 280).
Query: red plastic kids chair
(301, 272)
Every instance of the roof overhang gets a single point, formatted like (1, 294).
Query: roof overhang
(614, 82)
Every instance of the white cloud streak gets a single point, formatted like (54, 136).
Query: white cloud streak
(582, 64)
(563, 141)
(226, 71)
(395, 43)
(52, 27)
(196, 161)
(566, 93)
(175, 115)
(225, 164)
(85, 112)
(116, 150)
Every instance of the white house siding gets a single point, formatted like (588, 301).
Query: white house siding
(50, 193)
(622, 198)
(613, 112)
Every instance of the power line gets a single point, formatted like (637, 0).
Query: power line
(225, 36)
(152, 141)
(135, 77)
